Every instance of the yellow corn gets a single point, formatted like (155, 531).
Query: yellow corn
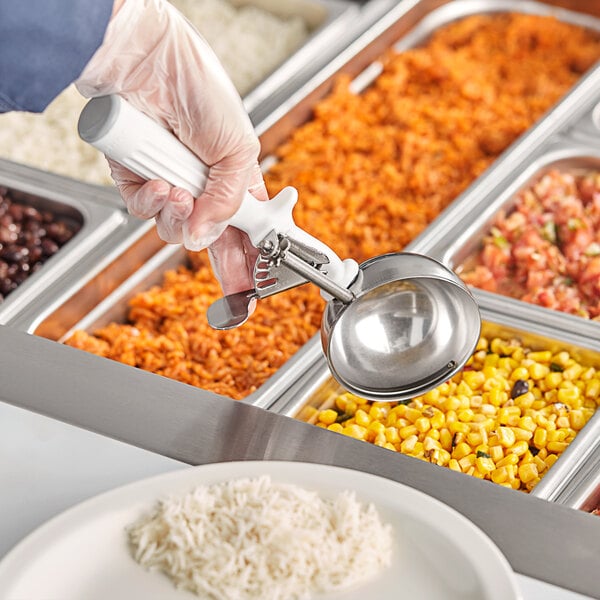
(328, 416)
(506, 436)
(522, 434)
(408, 431)
(422, 424)
(337, 427)
(528, 472)
(485, 465)
(527, 423)
(391, 435)
(453, 464)
(458, 427)
(461, 450)
(538, 371)
(540, 437)
(408, 445)
(361, 418)
(499, 475)
(355, 431)
(510, 459)
(519, 448)
(557, 447)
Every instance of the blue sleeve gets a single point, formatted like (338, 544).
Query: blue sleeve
(44, 47)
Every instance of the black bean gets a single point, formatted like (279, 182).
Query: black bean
(28, 236)
(519, 388)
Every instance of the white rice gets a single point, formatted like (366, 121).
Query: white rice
(252, 538)
(250, 42)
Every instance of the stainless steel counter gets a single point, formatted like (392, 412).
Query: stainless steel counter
(541, 540)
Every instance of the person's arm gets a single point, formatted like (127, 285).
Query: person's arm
(44, 46)
(157, 61)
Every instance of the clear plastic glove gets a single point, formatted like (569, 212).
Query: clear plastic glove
(155, 59)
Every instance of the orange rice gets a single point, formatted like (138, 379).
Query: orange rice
(372, 171)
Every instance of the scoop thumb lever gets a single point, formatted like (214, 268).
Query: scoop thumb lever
(131, 138)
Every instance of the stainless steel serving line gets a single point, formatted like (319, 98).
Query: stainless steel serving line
(542, 540)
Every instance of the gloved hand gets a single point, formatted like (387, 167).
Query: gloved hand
(157, 61)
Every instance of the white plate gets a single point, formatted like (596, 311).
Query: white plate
(83, 553)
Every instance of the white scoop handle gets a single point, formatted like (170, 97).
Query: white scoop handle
(131, 138)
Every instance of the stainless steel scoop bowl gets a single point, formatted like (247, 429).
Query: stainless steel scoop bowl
(412, 325)
(393, 329)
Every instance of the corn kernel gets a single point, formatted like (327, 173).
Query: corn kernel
(412, 414)
(422, 424)
(572, 372)
(337, 427)
(563, 422)
(543, 356)
(509, 459)
(322, 425)
(485, 465)
(558, 435)
(355, 431)
(540, 437)
(377, 427)
(519, 373)
(496, 453)
(408, 431)
(553, 380)
(378, 413)
(389, 446)
(380, 440)
(522, 434)
(446, 439)
(577, 419)
(519, 448)
(528, 472)
(499, 475)
(527, 423)
(443, 457)
(408, 445)
(592, 388)
(451, 403)
(431, 444)
(557, 446)
(474, 438)
(391, 435)
(437, 420)
(328, 416)
(551, 459)
(506, 436)
(538, 371)
(458, 427)
(361, 418)
(525, 400)
(466, 415)
(461, 450)
(453, 464)
(540, 464)
(467, 462)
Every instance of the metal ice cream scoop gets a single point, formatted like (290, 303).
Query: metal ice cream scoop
(392, 329)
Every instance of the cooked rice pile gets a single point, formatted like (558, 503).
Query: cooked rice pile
(372, 171)
(250, 43)
(252, 538)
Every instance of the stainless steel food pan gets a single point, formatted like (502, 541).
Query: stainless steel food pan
(103, 299)
(93, 209)
(317, 389)
(462, 238)
(329, 23)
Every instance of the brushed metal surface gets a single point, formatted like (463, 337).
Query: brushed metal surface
(198, 427)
